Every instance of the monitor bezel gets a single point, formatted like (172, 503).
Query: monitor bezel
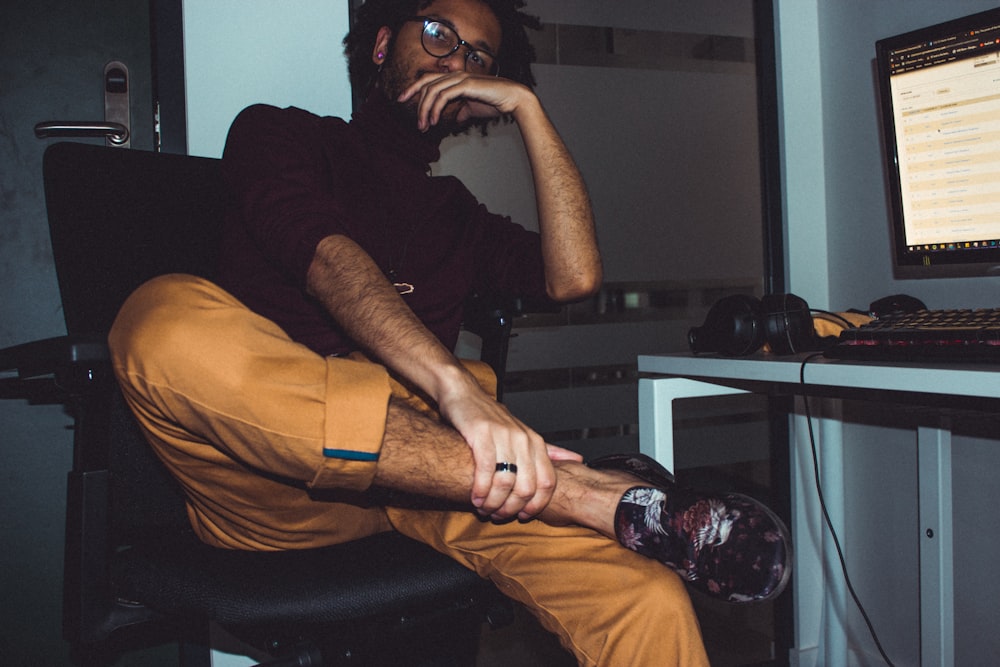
(906, 264)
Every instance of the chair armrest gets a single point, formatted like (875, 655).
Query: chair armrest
(484, 317)
(50, 355)
(492, 319)
(43, 369)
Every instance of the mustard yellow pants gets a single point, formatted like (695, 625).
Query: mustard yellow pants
(275, 445)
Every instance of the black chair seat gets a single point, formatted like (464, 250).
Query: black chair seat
(385, 574)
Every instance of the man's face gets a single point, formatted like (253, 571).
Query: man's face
(474, 22)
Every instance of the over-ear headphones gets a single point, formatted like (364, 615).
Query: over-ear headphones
(740, 324)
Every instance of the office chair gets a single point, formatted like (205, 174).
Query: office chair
(134, 570)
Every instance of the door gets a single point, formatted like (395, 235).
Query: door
(52, 58)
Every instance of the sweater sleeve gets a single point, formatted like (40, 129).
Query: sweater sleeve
(279, 179)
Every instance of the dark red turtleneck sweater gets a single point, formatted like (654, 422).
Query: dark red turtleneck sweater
(297, 178)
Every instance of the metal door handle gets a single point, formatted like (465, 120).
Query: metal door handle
(116, 133)
(115, 126)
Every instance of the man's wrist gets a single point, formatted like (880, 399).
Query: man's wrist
(451, 381)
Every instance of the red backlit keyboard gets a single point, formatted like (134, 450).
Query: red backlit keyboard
(924, 335)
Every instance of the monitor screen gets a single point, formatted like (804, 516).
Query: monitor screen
(940, 100)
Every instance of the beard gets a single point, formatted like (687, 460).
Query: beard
(394, 80)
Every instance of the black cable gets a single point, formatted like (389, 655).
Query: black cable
(826, 514)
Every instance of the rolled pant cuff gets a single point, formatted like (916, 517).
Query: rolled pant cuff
(358, 398)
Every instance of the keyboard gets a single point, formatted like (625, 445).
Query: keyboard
(924, 335)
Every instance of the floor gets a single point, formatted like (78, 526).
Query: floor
(523, 643)
(734, 636)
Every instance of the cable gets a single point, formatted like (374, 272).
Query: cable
(826, 514)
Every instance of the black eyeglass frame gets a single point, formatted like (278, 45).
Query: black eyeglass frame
(469, 48)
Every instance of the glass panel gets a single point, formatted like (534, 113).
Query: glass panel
(658, 102)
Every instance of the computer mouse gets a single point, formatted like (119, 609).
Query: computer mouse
(896, 304)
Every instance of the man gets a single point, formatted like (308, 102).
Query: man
(323, 370)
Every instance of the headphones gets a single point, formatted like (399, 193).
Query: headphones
(739, 324)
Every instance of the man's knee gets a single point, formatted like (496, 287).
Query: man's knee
(165, 322)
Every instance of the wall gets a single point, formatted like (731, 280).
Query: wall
(239, 53)
(838, 256)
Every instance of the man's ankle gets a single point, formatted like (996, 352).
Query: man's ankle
(586, 497)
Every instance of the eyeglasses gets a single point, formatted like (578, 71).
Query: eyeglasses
(441, 40)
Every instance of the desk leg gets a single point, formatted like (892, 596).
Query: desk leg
(831, 453)
(937, 586)
(656, 412)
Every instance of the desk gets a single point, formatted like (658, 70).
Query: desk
(675, 376)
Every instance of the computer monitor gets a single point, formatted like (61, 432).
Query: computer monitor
(940, 100)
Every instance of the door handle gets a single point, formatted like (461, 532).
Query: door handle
(115, 133)
(117, 116)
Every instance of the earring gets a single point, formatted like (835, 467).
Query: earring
(380, 55)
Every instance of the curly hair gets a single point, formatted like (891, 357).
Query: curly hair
(514, 60)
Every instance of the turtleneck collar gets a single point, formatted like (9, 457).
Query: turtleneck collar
(382, 125)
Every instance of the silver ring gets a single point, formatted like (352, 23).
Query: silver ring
(507, 467)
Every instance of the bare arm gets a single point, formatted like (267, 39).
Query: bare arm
(569, 244)
(566, 222)
(354, 291)
(352, 288)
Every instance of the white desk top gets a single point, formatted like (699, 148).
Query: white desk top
(980, 380)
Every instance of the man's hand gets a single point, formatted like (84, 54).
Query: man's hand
(473, 96)
(496, 436)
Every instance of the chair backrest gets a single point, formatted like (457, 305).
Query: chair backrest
(120, 217)
(116, 219)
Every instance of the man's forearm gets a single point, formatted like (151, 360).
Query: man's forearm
(364, 303)
(566, 221)
(354, 291)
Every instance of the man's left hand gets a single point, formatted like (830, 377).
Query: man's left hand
(474, 97)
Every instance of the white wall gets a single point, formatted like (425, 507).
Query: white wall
(239, 52)
(800, 101)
